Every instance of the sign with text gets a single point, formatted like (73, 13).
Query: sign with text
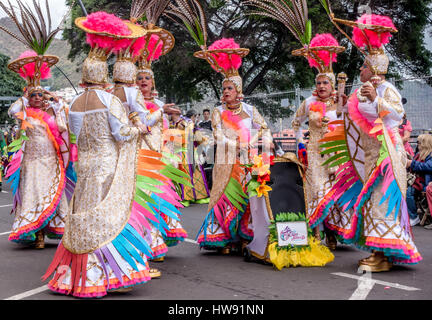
(292, 233)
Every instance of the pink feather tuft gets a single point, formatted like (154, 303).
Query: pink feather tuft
(235, 122)
(375, 39)
(104, 22)
(151, 107)
(321, 40)
(138, 46)
(222, 58)
(151, 46)
(28, 70)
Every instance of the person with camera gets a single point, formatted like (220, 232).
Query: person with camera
(420, 171)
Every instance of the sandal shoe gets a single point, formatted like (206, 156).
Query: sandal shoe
(39, 243)
(155, 273)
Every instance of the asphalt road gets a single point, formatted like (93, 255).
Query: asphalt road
(191, 274)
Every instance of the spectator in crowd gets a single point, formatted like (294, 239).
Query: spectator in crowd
(421, 166)
(192, 115)
(429, 201)
(206, 123)
(405, 130)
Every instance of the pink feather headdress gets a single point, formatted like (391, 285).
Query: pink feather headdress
(319, 107)
(326, 57)
(104, 22)
(228, 62)
(370, 37)
(28, 70)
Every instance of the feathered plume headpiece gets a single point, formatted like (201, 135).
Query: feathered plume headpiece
(225, 55)
(158, 41)
(370, 33)
(321, 51)
(106, 34)
(36, 34)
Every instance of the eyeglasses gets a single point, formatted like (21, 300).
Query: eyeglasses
(34, 95)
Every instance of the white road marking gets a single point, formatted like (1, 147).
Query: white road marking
(191, 241)
(28, 293)
(4, 233)
(364, 286)
(4, 191)
(383, 283)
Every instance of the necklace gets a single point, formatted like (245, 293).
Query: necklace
(328, 101)
(238, 108)
(149, 99)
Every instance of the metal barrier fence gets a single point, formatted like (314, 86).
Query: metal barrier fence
(416, 91)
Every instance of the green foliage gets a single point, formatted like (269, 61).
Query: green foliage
(11, 83)
(235, 194)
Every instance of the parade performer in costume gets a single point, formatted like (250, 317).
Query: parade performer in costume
(371, 178)
(237, 127)
(321, 52)
(38, 167)
(156, 43)
(287, 202)
(127, 52)
(318, 110)
(105, 245)
(193, 139)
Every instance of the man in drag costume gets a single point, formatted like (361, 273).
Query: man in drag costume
(167, 231)
(285, 202)
(371, 178)
(38, 169)
(321, 52)
(318, 110)
(237, 127)
(105, 245)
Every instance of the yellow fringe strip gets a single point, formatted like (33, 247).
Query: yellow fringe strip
(316, 255)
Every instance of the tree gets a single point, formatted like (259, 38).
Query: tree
(11, 85)
(270, 65)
